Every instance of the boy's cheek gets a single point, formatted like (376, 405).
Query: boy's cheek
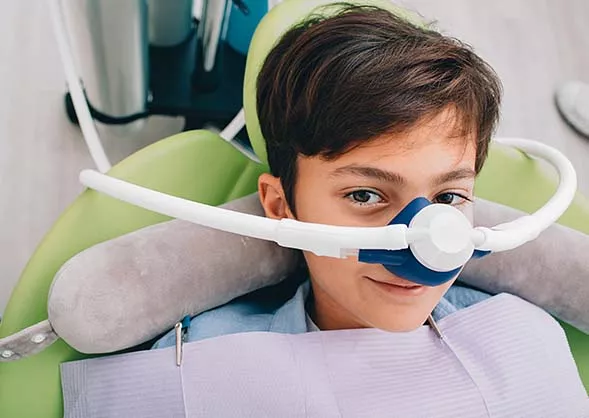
(343, 280)
(331, 269)
(468, 210)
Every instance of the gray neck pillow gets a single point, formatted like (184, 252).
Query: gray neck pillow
(129, 290)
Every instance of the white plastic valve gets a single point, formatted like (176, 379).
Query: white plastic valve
(449, 244)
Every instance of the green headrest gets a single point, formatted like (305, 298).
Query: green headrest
(281, 18)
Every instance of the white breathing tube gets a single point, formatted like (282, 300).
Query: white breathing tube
(513, 234)
(337, 241)
(445, 226)
(321, 239)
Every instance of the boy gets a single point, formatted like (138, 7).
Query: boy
(362, 112)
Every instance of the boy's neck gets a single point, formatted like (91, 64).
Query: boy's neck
(327, 314)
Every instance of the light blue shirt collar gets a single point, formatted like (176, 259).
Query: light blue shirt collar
(292, 316)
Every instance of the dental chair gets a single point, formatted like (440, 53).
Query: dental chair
(201, 166)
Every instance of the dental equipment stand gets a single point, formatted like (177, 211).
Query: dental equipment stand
(138, 58)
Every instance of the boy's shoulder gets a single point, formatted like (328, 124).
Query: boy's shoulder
(279, 308)
(456, 298)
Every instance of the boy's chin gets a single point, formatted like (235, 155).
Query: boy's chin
(406, 325)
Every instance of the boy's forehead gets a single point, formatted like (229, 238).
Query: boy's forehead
(444, 128)
(436, 143)
(435, 162)
(431, 149)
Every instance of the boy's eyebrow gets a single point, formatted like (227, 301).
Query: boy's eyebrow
(371, 172)
(458, 174)
(398, 179)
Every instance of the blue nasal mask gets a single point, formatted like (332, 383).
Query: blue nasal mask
(404, 263)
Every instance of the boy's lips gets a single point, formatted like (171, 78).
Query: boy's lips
(399, 287)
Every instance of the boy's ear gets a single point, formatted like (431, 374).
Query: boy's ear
(272, 197)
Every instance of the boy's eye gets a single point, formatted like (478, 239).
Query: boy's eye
(450, 199)
(364, 197)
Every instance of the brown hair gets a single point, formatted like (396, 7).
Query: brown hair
(331, 84)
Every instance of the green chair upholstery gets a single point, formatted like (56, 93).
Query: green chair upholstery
(195, 165)
(201, 166)
(198, 165)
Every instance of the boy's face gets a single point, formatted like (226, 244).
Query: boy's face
(368, 186)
